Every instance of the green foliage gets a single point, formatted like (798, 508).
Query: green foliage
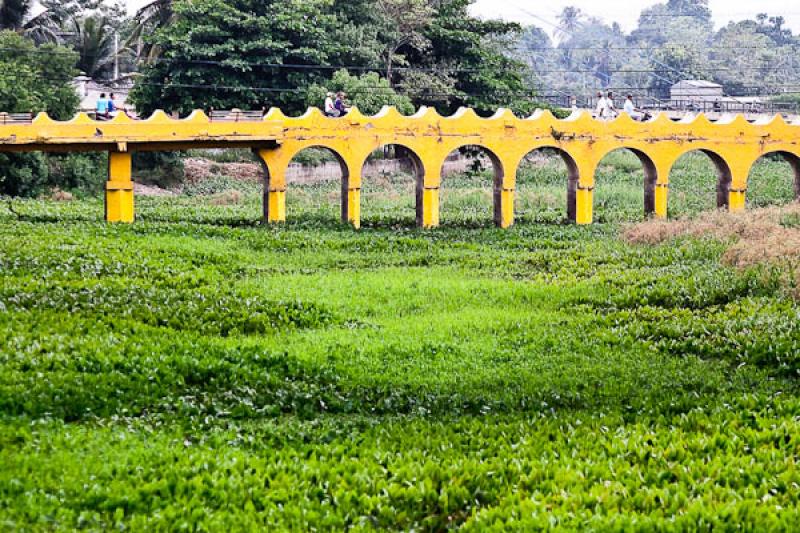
(369, 92)
(164, 169)
(35, 79)
(84, 173)
(453, 58)
(23, 174)
(243, 36)
(198, 370)
(32, 80)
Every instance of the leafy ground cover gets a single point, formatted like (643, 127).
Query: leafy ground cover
(200, 371)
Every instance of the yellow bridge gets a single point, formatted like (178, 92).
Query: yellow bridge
(733, 144)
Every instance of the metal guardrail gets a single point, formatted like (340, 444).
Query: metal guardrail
(16, 118)
(235, 115)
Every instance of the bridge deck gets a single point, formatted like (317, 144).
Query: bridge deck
(122, 133)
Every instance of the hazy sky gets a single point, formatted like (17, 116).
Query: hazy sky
(626, 12)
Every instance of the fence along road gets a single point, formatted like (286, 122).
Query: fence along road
(732, 143)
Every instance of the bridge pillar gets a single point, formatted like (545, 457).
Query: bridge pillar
(504, 208)
(584, 202)
(427, 206)
(351, 191)
(737, 199)
(737, 186)
(119, 188)
(274, 185)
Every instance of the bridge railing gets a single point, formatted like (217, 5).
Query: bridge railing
(235, 115)
(16, 118)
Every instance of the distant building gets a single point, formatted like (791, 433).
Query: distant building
(89, 91)
(696, 92)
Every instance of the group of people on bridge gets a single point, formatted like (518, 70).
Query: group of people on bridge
(335, 105)
(106, 108)
(606, 110)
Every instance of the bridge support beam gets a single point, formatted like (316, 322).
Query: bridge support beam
(119, 188)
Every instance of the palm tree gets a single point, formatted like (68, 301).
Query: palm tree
(17, 15)
(570, 21)
(150, 18)
(93, 39)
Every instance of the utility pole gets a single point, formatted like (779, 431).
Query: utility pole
(116, 55)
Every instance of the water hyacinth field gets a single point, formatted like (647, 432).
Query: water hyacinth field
(200, 371)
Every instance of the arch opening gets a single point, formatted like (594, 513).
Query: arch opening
(700, 180)
(391, 187)
(626, 186)
(540, 185)
(317, 179)
(774, 179)
(465, 198)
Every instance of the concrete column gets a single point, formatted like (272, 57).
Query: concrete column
(428, 207)
(504, 208)
(737, 199)
(661, 199)
(119, 188)
(351, 205)
(584, 205)
(274, 185)
(351, 191)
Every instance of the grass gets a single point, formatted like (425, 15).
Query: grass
(199, 371)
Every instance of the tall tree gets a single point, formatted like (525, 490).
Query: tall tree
(244, 53)
(93, 39)
(405, 21)
(151, 18)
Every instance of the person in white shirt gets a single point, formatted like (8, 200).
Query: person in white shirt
(330, 107)
(601, 111)
(630, 109)
(611, 110)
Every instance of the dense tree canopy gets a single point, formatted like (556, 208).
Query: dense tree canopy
(249, 53)
(32, 80)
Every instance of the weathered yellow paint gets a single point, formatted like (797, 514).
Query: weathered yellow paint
(430, 208)
(583, 209)
(119, 188)
(736, 200)
(732, 143)
(277, 206)
(353, 214)
(506, 208)
(662, 195)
